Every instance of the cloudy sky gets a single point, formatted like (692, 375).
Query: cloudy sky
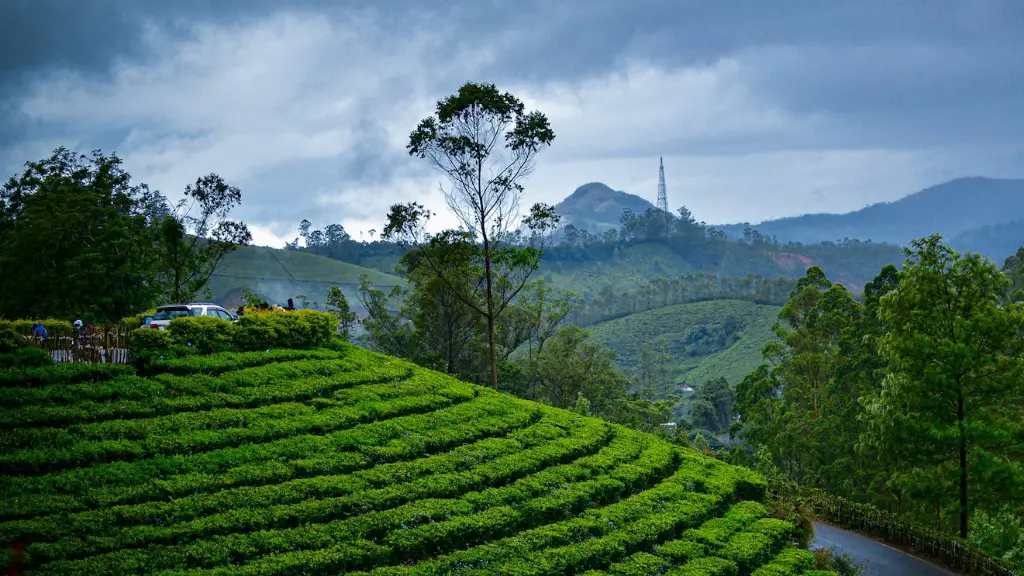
(760, 108)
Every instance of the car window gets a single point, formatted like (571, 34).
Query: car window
(197, 311)
(223, 314)
(170, 313)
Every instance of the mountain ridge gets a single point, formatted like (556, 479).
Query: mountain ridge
(951, 208)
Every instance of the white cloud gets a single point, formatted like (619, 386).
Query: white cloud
(309, 115)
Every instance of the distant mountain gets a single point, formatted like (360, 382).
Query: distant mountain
(998, 242)
(596, 207)
(950, 209)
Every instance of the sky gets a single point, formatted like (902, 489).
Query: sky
(760, 109)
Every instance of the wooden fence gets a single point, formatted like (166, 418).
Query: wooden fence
(103, 344)
(888, 527)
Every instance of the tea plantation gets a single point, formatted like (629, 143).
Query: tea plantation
(342, 461)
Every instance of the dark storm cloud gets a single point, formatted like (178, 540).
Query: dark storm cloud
(838, 74)
(871, 57)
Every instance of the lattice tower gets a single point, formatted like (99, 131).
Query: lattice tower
(662, 194)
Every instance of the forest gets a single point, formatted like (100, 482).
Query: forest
(909, 398)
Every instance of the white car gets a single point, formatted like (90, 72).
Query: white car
(164, 314)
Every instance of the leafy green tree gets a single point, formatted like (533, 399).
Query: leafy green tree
(582, 405)
(1014, 268)
(77, 239)
(802, 405)
(538, 312)
(572, 365)
(653, 370)
(486, 142)
(386, 332)
(197, 235)
(952, 406)
(712, 405)
(445, 325)
(337, 304)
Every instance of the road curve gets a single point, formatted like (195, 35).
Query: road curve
(877, 558)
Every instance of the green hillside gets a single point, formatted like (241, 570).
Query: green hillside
(718, 338)
(345, 461)
(282, 274)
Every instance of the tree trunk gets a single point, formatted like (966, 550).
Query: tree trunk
(490, 305)
(963, 462)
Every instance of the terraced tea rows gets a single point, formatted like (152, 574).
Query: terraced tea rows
(344, 461)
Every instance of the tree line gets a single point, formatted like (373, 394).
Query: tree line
(911, 399)
(79, 238)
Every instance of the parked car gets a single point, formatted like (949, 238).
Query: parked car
(164, 314)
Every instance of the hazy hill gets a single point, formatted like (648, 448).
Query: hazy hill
(950, 209)
(281, 274)
(596, 207)
(998, 242)
(718, 338)
(344, 461)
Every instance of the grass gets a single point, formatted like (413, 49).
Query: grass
(282, 274)
(668, 328)
(345, 461)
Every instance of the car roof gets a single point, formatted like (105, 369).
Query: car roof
(187, 306)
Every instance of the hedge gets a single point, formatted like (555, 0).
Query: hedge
(254, 331)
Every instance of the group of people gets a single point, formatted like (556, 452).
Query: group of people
(79, 330)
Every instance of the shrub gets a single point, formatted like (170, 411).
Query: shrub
(301, 329)
(25, 358)
(205, 334)
(148, 344)
(254, 331)
(52, 325)
(133, 322)
(10, 340)
(832, 560)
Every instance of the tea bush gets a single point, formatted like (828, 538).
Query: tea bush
(339, 460)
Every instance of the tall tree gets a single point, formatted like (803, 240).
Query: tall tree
(445, 326)
(76, 239)
(337, 305)
(486, 143)
(952, 407)
(1014, 268)
(197, 235)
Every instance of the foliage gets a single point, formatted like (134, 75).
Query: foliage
(572, 365)
(196, 235)
(712, 406)
(951, 406)
(337, 305)
(1001, 533)
(255, 330)
(694, 342)
(1014, 269)
(385, 332)
(76, 240)
(908, 399)
(833, 560)
(485, 142)
(341, 461)
(25, 357)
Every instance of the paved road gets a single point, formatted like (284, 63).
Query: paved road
(879, 559)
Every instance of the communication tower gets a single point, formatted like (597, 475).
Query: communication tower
(662, 194)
